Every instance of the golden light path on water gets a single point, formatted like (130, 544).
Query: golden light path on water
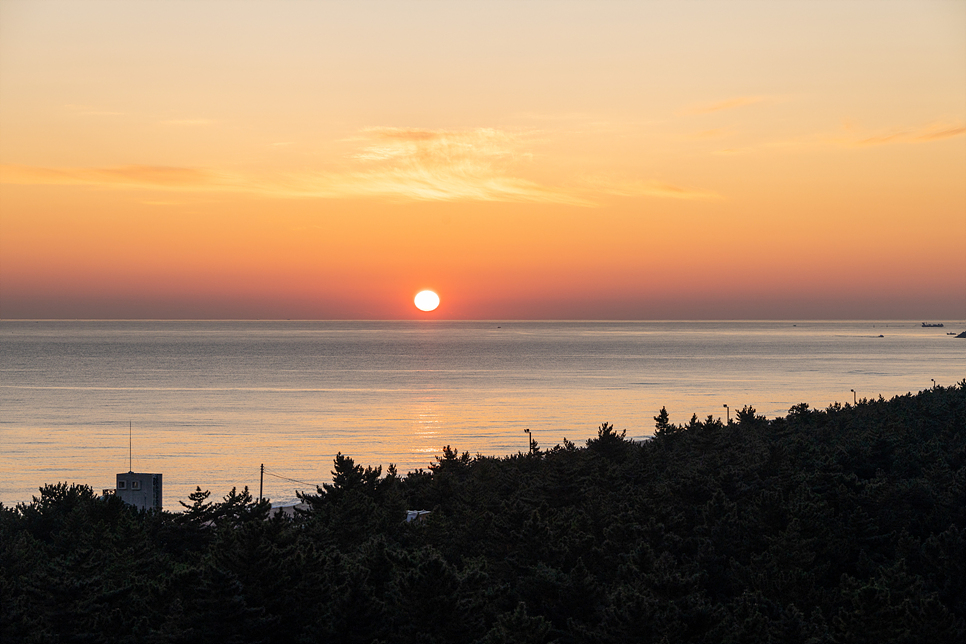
(210, 402)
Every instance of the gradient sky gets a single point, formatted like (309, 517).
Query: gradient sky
(565, 160)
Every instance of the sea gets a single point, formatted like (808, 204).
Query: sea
(209, 404)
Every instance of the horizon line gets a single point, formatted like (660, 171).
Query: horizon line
(415, 319)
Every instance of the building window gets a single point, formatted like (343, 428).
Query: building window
(122, 484)
(135, 485)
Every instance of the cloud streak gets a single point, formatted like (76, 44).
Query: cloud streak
(935, 132)
(432, 165)
(659, 189)
(145, 176)
(393, 164)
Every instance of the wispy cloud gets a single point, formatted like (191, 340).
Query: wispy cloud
(850, 136)
(434, 165)
(480, 147)
(660, 189)
(394, 164)
(941, 132)
(124, 176)
(424, 185)
(728, 104)
(482, 164)
(934, 132)
(881, 139)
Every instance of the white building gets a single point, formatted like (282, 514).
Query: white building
(140, 490)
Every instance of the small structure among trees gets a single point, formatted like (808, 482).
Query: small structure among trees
(141, 490)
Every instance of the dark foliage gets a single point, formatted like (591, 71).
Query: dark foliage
(843, 525)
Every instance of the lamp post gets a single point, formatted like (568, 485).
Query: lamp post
(854, 400)
(728, 413)
(933, 382)
(530, 438)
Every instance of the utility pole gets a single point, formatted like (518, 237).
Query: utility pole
(261, 483)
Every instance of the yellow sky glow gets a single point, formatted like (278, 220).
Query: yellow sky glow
(529, 160)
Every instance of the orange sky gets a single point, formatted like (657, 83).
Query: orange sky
(525, 160)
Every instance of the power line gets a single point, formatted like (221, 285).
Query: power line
(279, 476)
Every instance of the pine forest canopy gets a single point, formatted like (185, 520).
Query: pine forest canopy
(838, 525)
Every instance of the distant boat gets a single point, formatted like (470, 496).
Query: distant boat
(932, 325)
(962, 335)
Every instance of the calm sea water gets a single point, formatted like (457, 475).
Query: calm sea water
(210, 401)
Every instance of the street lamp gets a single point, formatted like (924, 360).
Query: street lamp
(854, 401)
(530, 437)
(728, 413)
(933, 382)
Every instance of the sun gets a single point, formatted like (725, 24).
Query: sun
(426, 301)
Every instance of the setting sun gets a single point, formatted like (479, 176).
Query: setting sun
(158, 164)
(426, 301)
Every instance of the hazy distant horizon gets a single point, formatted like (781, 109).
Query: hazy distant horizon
(929, 320)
